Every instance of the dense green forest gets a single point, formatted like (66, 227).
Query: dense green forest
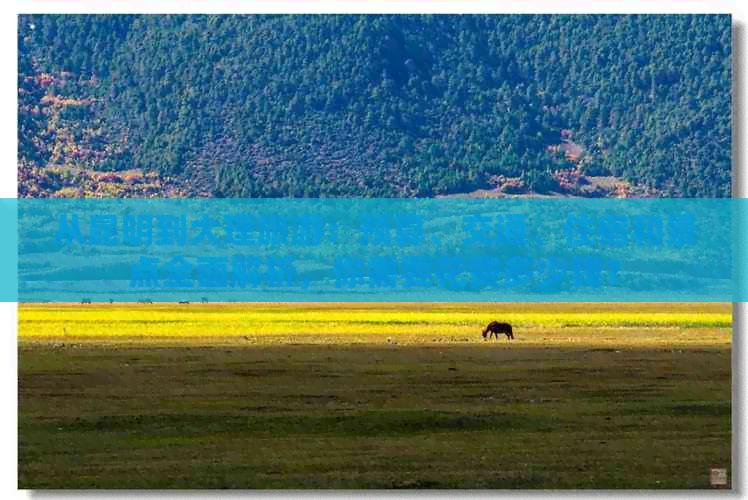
(383, 106)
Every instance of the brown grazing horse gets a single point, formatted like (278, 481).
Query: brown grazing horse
(495, 328)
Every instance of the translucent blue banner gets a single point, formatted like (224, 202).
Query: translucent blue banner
(373, 250)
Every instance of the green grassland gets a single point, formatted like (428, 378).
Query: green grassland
(373, 396)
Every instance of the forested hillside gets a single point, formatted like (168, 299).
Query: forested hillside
(379, 105)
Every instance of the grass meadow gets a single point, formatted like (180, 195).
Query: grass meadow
(373, 396)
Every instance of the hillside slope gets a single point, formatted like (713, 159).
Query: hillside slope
(380, 105)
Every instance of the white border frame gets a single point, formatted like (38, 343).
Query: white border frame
(8, 186)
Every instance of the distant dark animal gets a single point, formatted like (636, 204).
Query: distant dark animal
(495, 328)
(86, 301)
(205, 300)
(183, 302)
(144, 301)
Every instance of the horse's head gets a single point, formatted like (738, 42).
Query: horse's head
(485, 333)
